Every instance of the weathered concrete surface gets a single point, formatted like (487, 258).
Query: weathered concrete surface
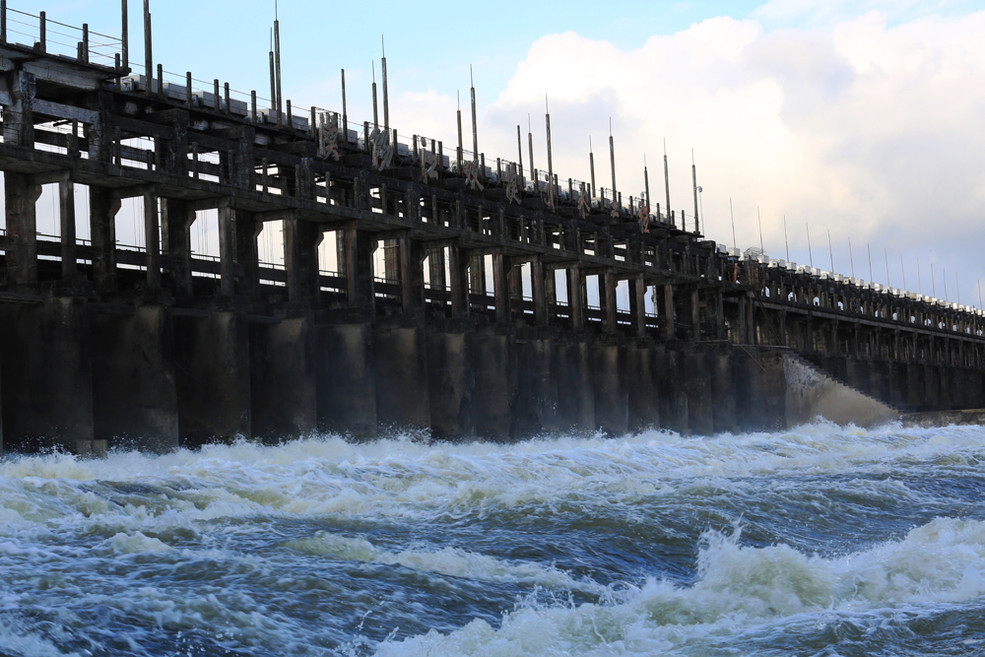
(494, 398)
(811, 394)
(346, 376)
(283, 377)
(575, 387)
(212, 355)
(402, 378)
(611, 391)
(450, 384)
(641, 382)
(47, 377)
(537, 392)
(134, 389)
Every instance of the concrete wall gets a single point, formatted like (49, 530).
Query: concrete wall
(82, 377)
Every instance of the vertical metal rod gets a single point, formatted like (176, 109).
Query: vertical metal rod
(550, 161)
(345, 112)
(831, 253)
(694, 185)
(273, 84)
(43, 31)
(458, 115)
(188, 88)
(810, 251)
(148, 50)
(591, 164)
(85, 42)
(902, 269)
(759, 218)
(253, 105)
(215, 94)
(475, 127)
(280, 98)
(519, 149)
(851, 257)
(530, 151)
(612, 162)
(376, 109)
(786, 242)
(124, 35)
(160, 79)
(646, 185)
(3, 20)
(869, 251)
(667, 180)
(732, 216)
(386, 101)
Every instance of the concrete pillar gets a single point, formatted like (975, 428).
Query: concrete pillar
(501, 267)
(436, 268)
(66, 214)
(761, 389)
(719, 364)
(697, 385)
(21, 218)
(47, 376)
(102, 227)
(607, 296)
(538, 284)
(637, 305)
(573, 377)
(283, 378)
(411, 261)
(401, 378)
(152, 237)
(494, 399)
(695, 315)
(641, 382)
(458, 270)
(537, 394)
(212, 355)
(450, 384)
(238, 256)
(670, 387)
(135, 393)
(18, 119)
(176, 221)
(576, 297)
(346, 374)
(611, 392)
(668, 312)
(301, 240)
(359, 248)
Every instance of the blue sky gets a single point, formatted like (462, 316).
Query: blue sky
(862, 118)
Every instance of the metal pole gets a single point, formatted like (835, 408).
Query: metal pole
(519, 149)
(759, 218)
(475, 128)
(869, 250)
(550, 161)
(376, 111)
(280, 98)
(148, 54)
(694, 184)
(124, 36)
(345, 112)
(786, 242)
(386, 101)
(667, 188)
(591, 164)
(810, 251)
(885, 252)
(646, 185)
(530, 150)
(851, 256)
(459, 117)
(612, 163)
(732, 215)
(273, 81)
(903, 270)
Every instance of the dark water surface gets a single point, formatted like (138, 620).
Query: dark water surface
(815, 541)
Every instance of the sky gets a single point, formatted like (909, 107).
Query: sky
(862, 120)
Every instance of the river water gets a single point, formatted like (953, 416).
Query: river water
(814, 541)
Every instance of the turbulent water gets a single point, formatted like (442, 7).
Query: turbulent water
(815, 541)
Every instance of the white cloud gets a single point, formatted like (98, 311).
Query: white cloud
(870, 130)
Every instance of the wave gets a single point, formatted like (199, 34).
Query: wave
(741, 592)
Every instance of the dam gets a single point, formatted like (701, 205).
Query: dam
(417, 285)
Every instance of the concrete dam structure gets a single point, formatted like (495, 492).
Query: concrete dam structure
(416, 285)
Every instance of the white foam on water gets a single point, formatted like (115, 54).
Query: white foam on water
(454, 562)
(739, 590)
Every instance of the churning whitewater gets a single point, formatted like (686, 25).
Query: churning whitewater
(815, 541)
